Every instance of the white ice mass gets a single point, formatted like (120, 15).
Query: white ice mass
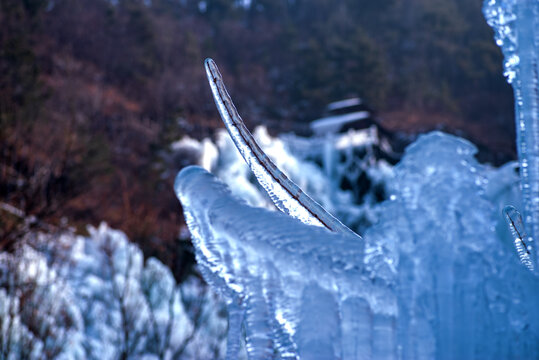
(437, 275)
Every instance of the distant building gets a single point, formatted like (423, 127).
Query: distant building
(354, 125)
(343, 115)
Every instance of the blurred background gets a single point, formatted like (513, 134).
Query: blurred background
(93, 93)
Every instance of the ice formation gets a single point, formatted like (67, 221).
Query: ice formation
(520, 238)
(436, 277)
(286, 195)
(273, 270)
(516, 28)
(328, 169)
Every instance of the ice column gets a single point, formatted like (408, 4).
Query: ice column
(516, 28)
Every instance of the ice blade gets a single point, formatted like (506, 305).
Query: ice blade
(286, 195)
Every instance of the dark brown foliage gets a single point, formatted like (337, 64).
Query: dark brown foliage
(91, 91)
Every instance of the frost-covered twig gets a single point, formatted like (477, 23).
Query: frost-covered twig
(286, 195)
(35, 316)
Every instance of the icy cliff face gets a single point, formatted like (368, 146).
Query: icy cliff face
(436, 278)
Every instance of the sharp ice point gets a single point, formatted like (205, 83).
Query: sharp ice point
(286, 195)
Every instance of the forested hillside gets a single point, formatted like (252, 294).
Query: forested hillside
(93, 91)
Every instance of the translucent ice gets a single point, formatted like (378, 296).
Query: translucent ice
(435, 280)
(436, 277)
(287, 280)
(356, 162)
(516, 28)
(286, 195)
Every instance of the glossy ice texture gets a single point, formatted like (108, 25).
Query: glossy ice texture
(286, 195)
(437, 276)
(516, 28)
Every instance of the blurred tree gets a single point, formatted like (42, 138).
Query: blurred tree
(113, 83)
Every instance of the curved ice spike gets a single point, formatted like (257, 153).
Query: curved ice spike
(286, 195)
(523, 242)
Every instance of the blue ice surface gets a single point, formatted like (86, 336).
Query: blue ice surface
(437, 276)
(516, 29)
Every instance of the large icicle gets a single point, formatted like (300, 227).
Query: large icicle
(286, 195)
(516, 27)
